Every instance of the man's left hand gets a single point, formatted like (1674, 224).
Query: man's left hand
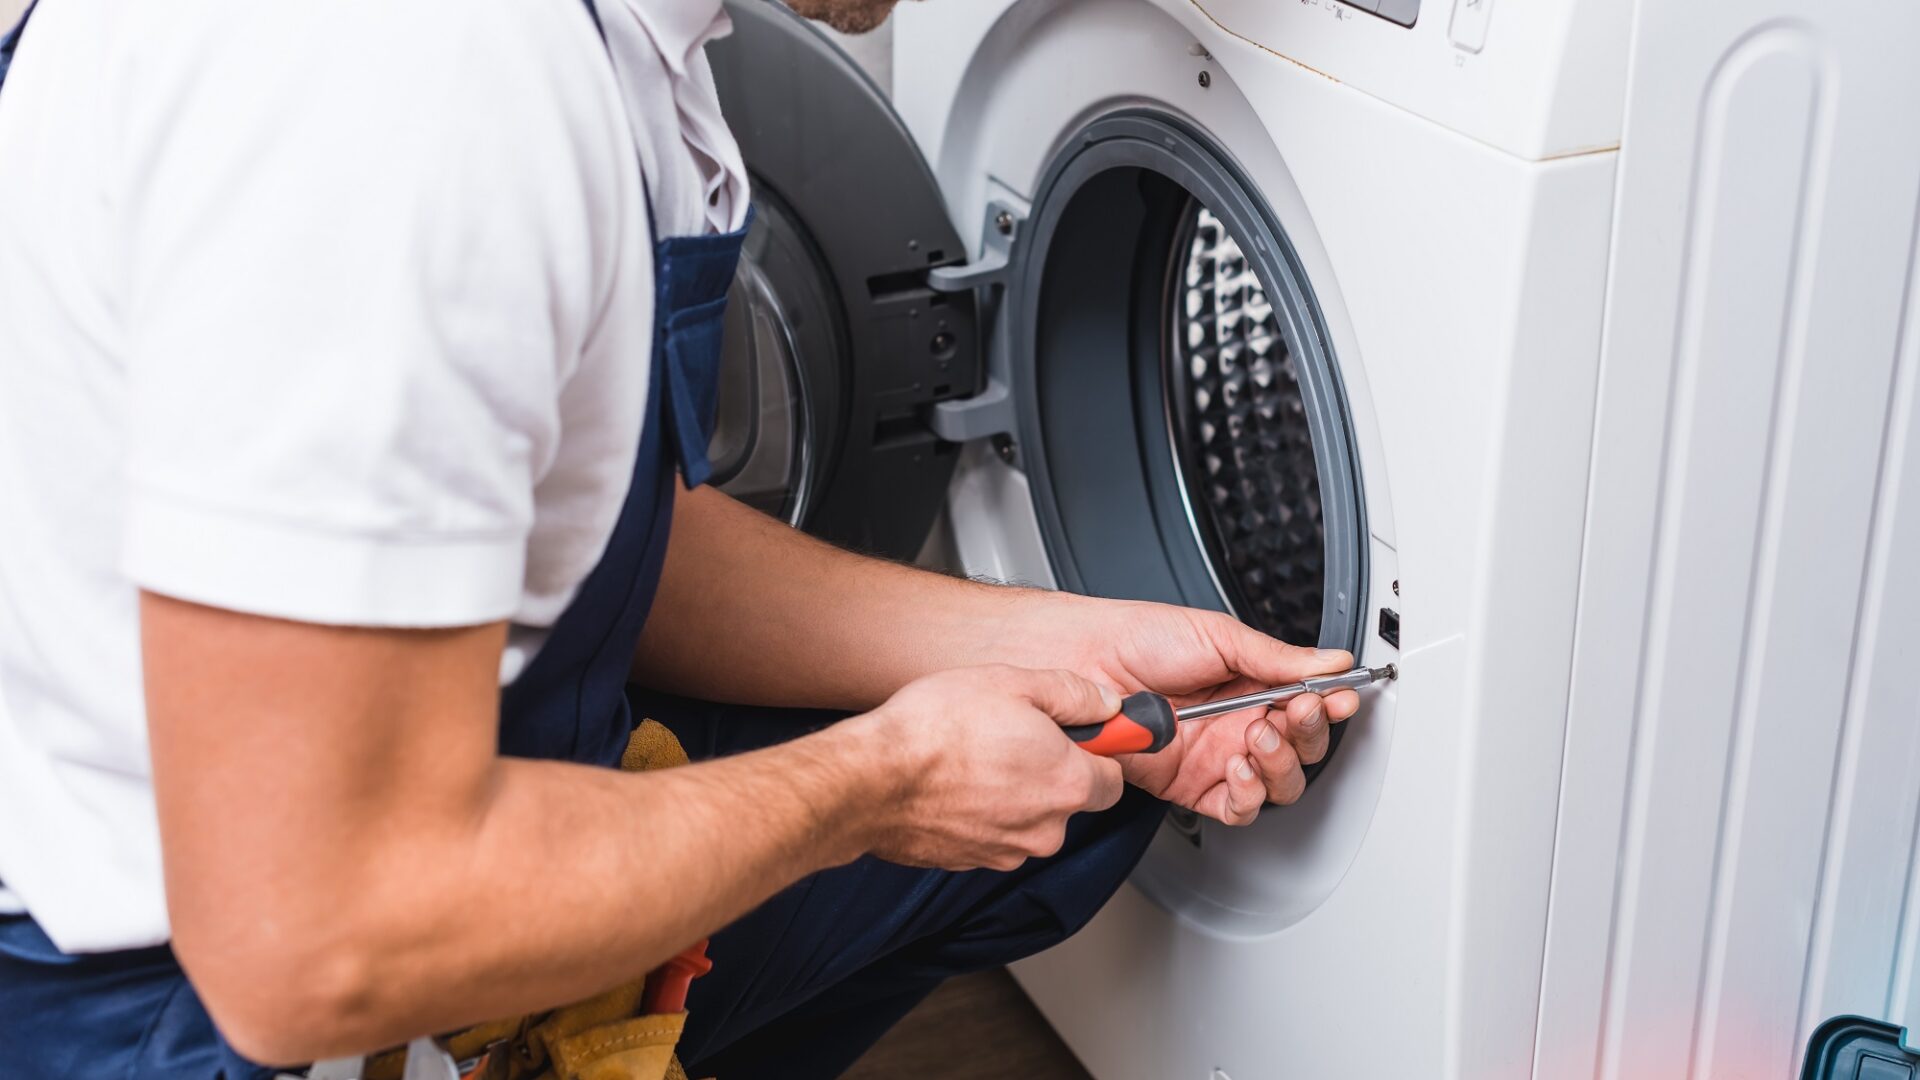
(1225, 767)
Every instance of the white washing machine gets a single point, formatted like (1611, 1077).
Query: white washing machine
(1563, 352)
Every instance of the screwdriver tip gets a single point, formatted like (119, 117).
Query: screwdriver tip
(1389, 673)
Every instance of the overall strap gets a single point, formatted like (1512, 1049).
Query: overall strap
(12, 39)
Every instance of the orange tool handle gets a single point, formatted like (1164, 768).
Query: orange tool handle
(1146, 724)
(667, 985)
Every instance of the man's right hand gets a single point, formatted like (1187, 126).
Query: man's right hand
(985, 778)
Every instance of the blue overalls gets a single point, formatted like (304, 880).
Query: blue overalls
(801, 986)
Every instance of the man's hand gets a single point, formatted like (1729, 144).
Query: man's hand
(989, 781)
(1224, 767)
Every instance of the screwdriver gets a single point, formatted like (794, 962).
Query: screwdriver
(1147, 721)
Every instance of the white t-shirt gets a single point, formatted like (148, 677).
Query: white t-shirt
(328, 310)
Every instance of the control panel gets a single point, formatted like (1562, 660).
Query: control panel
(1404, 12)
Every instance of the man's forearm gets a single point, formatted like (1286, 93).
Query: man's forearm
(750, 610)
(527, 897)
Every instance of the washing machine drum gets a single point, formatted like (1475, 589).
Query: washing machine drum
(1240, 434)
(1175, 403)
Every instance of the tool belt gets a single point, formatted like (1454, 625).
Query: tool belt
(627, 1033)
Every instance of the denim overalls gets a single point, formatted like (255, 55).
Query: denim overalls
(802, 985)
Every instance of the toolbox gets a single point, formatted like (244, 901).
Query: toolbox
(1855, 1048)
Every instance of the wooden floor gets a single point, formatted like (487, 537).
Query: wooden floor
(978, 1027)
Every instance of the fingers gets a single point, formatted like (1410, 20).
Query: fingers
(1068, 698)
(1105, 783)
(1272, 661)
(1071, 700)
(1238, 798)
(1306, 722)
(1342, 704)
(1277, 761)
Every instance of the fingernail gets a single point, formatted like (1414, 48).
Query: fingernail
(1341, 655)
(1110, 699)
(1315, 721)
(1242, 769)
(1268, 740)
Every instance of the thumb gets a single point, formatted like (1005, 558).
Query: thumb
(1068, 698)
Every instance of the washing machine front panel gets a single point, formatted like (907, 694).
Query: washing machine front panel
(836, 343)
(1460, 290)
(1539, 79)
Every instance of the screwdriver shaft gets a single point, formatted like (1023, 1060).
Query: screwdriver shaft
(1322, 684)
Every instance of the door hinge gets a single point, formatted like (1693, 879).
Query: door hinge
(991, 411)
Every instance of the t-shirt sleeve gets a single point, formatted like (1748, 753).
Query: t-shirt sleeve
(362, 260)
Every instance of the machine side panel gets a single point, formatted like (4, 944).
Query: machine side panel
(1529, 546)
(1870, 851)
(1465, 309)
(1741, 461)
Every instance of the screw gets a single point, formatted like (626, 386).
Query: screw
(1003, 446)
(1206, 80)
(1003, 222)
(942, 342)
(1396, 586)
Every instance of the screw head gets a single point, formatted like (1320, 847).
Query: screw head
(942, 343)
(1003, 222)
(1003, 446)
(1206, 80)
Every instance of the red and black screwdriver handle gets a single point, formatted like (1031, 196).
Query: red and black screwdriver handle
(1146, 724)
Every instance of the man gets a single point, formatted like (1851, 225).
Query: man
(351, 355)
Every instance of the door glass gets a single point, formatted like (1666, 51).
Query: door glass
(759, 449)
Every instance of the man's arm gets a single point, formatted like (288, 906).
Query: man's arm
(750, 610)
(350, 864)
(755, 612)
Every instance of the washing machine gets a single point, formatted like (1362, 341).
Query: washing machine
(1563, 353)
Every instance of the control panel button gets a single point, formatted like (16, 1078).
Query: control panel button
(1403, 12)
(1470, 19)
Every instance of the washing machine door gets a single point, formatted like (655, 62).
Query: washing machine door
(836, 346)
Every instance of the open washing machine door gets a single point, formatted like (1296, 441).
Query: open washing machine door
(836, 343)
